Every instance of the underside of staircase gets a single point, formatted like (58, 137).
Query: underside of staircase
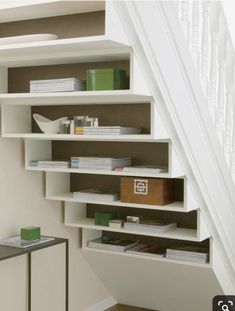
(149, 38)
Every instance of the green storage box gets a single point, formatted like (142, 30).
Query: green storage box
(30, 233)
(103, 218)
(106, 79)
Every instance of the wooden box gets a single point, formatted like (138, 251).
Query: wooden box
(152, 191)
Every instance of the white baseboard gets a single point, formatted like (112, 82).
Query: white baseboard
(103, 304)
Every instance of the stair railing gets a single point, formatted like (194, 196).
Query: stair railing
(206, 31)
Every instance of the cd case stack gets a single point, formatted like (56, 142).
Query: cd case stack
(57, 85)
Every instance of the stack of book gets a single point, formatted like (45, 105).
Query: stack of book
(57, 85)
(152, 169)
(99, 163)
(18, 243)
(149, 225)
(50, 164)
(147, 250)
(112, 244)
(96, 195)
(74, 162)
(111, 130)
(116, 223)
(188, 253)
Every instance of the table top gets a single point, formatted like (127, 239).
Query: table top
(7, 252)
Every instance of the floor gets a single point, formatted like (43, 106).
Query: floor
(126, 308)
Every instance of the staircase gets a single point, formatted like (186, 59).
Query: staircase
(177, 108)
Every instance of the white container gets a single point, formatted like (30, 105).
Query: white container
(46, 125)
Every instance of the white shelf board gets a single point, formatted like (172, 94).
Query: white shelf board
(96, 172)
(71, 137)
(70, 98)
(170, 261)
(178, 233)
(13, 10)
(63, 51)
(173, 207)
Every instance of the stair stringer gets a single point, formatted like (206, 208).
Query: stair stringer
(169, 72)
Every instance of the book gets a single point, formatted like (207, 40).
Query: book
(97, 194)
(152, 169)
(116, 223)
(57, 85)
(111, 130)
(188, 258)
(49, 164)
(147, 250)
(18, 243)
(102, 163)
(112, 244)
(188, 250)
(149, 225)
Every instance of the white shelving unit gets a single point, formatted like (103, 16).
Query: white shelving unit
(16, 118)
(58, 188)
(89, 235)
(41, 149)
(142, 256)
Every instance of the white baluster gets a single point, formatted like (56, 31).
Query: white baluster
(229, 102)
(177, 4)
(214, 31)
(221, 86)
(195, 33)
(232, 158)
(205, 47)
(185, 18)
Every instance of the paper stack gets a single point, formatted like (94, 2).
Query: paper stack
(152, 169)
(188, 253)
(148, 225)
(102, 163)
(50, 164)
(112, 244)
(96, 194)
(57, 85)
(147, 250)
(111, 130)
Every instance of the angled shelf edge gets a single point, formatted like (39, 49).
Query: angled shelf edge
(77, 98)
(173, 207)
(63, 51)
(178, 233)
(71, 137)
(31, 9)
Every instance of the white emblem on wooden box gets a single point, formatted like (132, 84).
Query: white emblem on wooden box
(141, 186)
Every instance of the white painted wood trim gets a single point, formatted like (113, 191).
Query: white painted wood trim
(103, 304)
(171, 76)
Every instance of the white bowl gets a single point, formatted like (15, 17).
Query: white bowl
(47, 126)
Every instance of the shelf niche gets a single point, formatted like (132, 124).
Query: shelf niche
(89, 234)
(66, 26)
(19, 78)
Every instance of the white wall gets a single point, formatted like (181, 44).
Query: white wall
(22, 203)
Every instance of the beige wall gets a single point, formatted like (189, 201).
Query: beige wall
(22, 203)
